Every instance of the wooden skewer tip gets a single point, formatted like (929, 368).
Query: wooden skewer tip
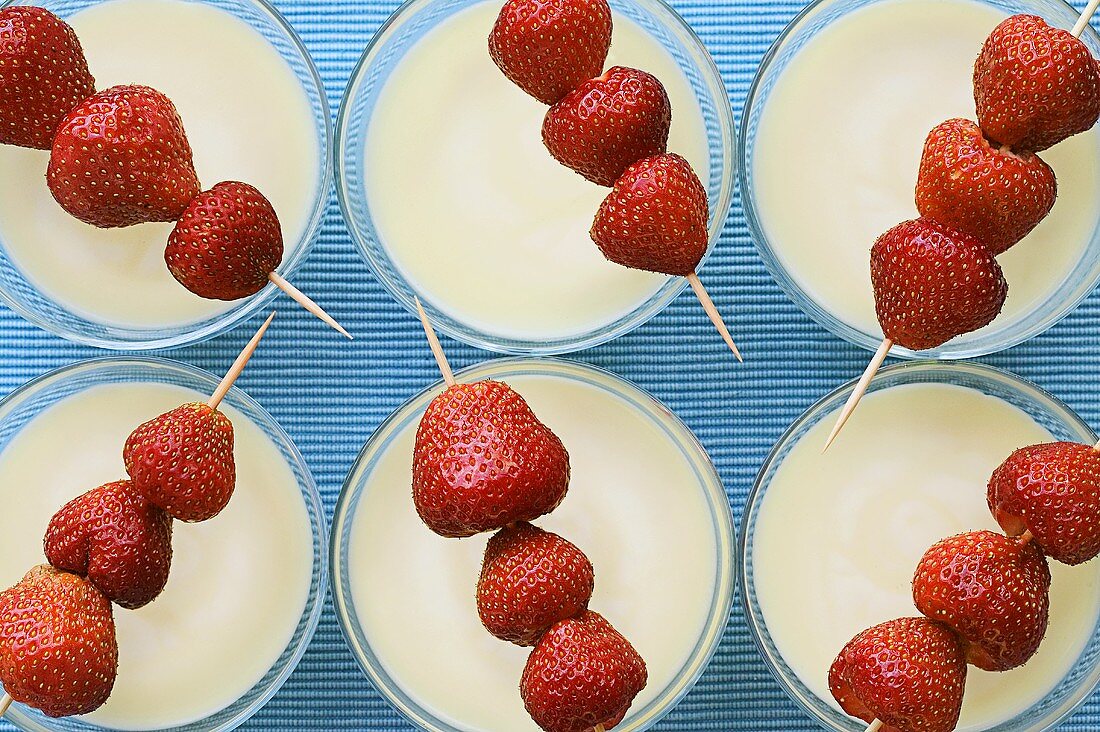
(238, 365)
(712, 313)
(433, 343)
(306, 302)
(859, 390)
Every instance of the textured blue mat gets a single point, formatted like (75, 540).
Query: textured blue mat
(330, 395)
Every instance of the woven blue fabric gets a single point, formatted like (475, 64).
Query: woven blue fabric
(330, 394)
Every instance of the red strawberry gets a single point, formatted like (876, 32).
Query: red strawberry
(43, 75)
(988, 192)
(606, 124)
(483, 460)
(908, 673)
(655, 218)
(1035, 85)
(122, 158)
(582, 673)
(182, 461)
(992, 590)
(531, 579)
(58, 651)
(226, 243)
(549, 47)
(115, 538)
(1053, 491)
(933, 283)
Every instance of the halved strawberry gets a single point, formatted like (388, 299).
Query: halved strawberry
(43, 75)
(987, 191)
(655, 218)
(549, 47)
(993, 590)
(1053, 491)
(907, 673)
(531, 579)
(121, 157)
(115, 538)
(582, 673)
(1035, 85)
(226, 243)
(933, 283)
(607, 124)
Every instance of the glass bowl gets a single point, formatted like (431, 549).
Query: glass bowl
(24, 297)
(664, 422)
(1045, 409)
(27, 402)
(997, 336)
(397, 36)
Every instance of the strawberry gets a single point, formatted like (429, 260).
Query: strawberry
(655, 218)
(604, 125)
(58, 651)
(43, 75)
(226, 243)
(482, 460)
(115, 538)
(549, 47)
(933, 283)
(182, 461)
(988, 192)
(1053, 491)
(531, 579)
(908, 673)
(1035, 85)
(582, 673)
(121, 158)
(992, 590)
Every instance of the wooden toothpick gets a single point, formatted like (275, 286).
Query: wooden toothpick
(712, 313)
(875, 726)
(859, 390)
(599, 728)
(1086, 18)
(5, 702)
(433, 343)
(238, 366)
(304, 300)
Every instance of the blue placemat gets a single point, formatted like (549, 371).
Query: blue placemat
(330, 395)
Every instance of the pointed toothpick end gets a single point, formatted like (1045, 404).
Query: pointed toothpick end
(859, 390)
(712, 313)
(433, 343)
(238, 365)
(306, 302)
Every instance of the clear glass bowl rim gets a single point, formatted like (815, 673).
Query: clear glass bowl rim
(248, 306)
(652, 306)
(186, 374)
(726, 537)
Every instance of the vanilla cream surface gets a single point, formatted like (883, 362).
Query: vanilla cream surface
(839, 146)
(471, 207)
(247, 118)
(239, 582)
(839, 535)
(635, 507)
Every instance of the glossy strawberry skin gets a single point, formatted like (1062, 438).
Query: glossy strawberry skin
(582, 673)
(1053, 491)
(933, 283)
(182, 461)
(58, 651)
(992, 590)
(226, 243)
(483, 460)
(115, 538)
(43, 75)
(990, 193)
(122, 158)
(550, 47)
(1035, 85)
(655, 217)
(606, 124)
(531, 579)
(908, 673)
